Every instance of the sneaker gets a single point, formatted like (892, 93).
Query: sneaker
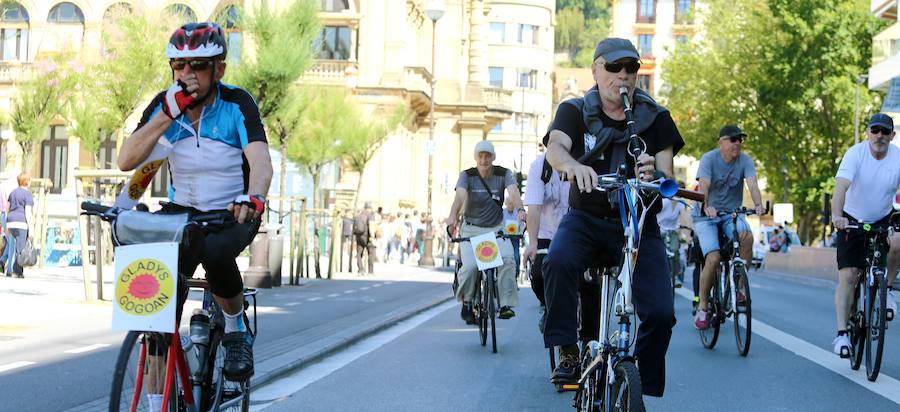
(700, 320)
(567, 369)
(542, 322)
(467, 314)
(891, 305)
(238, 356)
(741, 298)
(841, 346)
(506, 312)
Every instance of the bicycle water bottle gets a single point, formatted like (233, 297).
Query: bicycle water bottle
(199, 338)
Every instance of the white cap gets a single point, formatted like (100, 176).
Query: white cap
(485, 146)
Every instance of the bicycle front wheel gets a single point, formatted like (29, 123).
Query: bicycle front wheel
(710, 335)
(876, 302)
(492, 308)
(742, 310)
(481, 314)
(857, 328)
(140, 371)
(626, 394)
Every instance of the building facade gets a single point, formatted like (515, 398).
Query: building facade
(884, 74)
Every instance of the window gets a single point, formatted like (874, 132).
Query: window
(116, 10)
(646, 12)
(14, 33)
(526, 34)
(682, 10)
(55, 158)
(335, 6)
(108, 152)
(536, 30)
(334, 43)
(645, 45)
(498, 33)
(527, 79)
(645, 83)
(496, 76)
(65, 13)
(182, 12)
(229, 19)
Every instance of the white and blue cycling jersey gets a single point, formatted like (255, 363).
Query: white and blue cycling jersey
(208, 170)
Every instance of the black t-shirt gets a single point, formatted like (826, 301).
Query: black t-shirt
(661, 135)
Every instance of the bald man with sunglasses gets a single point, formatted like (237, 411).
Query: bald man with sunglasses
(722, 174)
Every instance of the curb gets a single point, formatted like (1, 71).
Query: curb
(334, 344)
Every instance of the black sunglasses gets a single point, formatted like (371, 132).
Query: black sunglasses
(880, 130)
(631, 66)
(734, 139)
(196, 65)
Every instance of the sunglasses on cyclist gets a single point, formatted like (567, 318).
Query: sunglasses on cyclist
(733, 139)
(196, 65)
(880, 130)
(631, 66)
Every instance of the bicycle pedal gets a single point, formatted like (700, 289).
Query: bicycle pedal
(889, 315)
(845, 352)
(570, 387)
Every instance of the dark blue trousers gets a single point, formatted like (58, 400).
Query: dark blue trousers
(583, 240)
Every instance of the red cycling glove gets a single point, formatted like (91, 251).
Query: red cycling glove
(176, 100)
(254, 201)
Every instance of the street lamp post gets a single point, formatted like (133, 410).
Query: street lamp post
(435, 10)
(859, 80)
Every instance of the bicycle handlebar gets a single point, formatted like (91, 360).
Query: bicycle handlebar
(110, 213)
(499, 234)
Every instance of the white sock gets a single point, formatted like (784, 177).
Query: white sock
(235, 323)
(155, 400)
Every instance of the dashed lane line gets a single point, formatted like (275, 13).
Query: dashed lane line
(14, 365)
(87, 348)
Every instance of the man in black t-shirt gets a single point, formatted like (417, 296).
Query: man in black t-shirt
(592, 232)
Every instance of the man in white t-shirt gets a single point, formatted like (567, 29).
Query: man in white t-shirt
(864, 189)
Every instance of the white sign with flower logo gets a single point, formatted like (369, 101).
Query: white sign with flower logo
(146, 287)
(487, 251)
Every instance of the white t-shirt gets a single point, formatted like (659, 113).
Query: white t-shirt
(668, 216)
(553, 196)
(873, 183)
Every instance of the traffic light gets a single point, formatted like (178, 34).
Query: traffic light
(520, 182)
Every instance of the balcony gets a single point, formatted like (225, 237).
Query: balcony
(498, 100)
(331, 72)
(417, 83)
(885, 57)
(884, 9)
(15, 72)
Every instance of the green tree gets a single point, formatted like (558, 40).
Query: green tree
(283, 50)
(363, 141)
(580, 24)
(38, 102)
(785, 71)
(88, 114)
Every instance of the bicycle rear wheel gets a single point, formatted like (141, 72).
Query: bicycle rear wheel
(742, 310)
(492, 308)
(876, 302)
(857, 328)
(626, 393)
(226, 395)
(140, 370)
(710, 335)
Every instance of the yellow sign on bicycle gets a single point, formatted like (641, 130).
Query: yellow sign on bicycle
(487, 251)
(146, 287)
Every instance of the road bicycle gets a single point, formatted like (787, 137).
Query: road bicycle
(186, 370)
(730, 293)
(486, 304)
(869, 316)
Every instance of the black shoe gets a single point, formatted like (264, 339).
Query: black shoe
(467, 314)
(238, 356)
(506, 312)
(567, 369)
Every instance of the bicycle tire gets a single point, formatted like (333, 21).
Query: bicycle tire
(480, 316)
(492, 309)
(710, 335)
(122, 392)
(876, 317)
(626, 393)
(225, 395)
(588, 395)
(742, 311)
(856, 328)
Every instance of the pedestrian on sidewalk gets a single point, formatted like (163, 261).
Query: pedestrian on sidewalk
(19, 218)
(364, 232)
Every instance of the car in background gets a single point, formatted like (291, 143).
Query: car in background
(762, 236)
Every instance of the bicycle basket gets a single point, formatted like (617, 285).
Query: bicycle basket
(134, 227)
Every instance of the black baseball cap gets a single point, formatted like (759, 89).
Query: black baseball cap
(731, 131)
(615, 48)
(883, 120)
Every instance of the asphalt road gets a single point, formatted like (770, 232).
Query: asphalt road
(437, 364)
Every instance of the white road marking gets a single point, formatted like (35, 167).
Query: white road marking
(292, 304)
(334, 295)
(349, 291)
(377, 285)
(314, 299)
(885, 385)
(14, 365)
(296, 381)
(87, 348)
(364, 288)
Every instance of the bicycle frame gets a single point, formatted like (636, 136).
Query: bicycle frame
(728, 267)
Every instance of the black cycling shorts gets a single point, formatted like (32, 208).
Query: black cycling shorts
(851, 245)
